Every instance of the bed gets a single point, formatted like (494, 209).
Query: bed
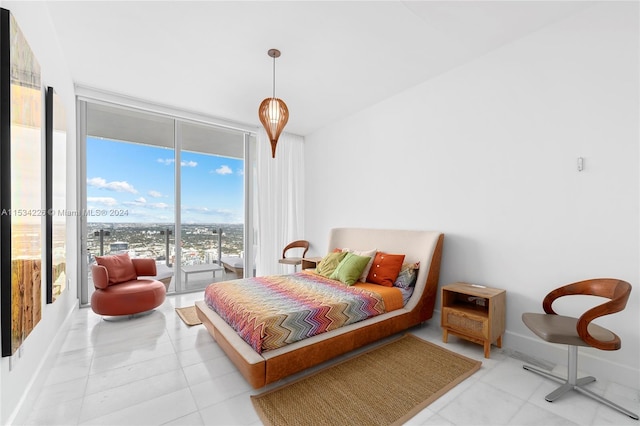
(261, 367)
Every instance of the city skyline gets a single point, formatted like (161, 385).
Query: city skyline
(134, 183)
(150, 240)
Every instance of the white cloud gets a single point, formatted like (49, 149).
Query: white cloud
(142, 202)
(205, 210)
(209, 212)
(105, 201)
(224, 170)
(170, 161)
(118, 186)
(155, 194)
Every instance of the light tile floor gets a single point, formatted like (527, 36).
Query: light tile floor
(155, 370)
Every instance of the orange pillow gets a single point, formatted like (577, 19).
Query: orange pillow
(385, 269)
(119, 267)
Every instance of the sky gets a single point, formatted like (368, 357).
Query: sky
(134, 183)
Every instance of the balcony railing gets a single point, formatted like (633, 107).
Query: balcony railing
(199, 244)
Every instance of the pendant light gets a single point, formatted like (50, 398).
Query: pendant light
(273, 112)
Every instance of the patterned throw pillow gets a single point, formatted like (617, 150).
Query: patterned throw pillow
(385, 269)
(329, 263)
(408, 275)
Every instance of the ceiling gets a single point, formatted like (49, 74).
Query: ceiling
(338, 57)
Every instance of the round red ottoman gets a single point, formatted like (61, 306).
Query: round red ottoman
(128, 298)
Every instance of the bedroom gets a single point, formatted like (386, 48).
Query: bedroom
(485, 153)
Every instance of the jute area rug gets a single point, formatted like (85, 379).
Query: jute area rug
(188, 315)
(385, 386)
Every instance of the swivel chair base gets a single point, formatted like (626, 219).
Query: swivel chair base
(573, 383)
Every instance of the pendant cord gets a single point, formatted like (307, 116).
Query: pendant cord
(274, 77)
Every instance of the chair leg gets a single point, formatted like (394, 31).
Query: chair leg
(573, 383)
(559, 392)
(545, 373)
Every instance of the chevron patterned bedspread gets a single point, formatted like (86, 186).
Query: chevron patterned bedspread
(273, 311)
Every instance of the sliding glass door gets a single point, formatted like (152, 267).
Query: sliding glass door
(163, 188)
(211, 203)
(130, 190)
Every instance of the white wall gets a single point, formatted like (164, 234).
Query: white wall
(487, 154)
(20, 372)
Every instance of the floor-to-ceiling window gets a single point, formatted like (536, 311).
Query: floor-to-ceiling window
(162, 187)
(211, 203)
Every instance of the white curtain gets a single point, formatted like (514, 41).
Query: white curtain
(279, 200)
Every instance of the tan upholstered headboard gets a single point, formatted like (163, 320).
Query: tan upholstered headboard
(417, 246)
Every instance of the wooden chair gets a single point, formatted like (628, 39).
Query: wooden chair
(575, 332)
(295, 261)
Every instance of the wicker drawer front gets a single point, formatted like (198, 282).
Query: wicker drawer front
(468, 324)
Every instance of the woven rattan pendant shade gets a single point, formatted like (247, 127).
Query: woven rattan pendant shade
(273, 112)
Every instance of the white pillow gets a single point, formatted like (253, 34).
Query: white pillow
(368, 253)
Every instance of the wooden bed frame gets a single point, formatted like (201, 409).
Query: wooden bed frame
(261, 369)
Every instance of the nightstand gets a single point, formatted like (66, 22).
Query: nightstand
(310, 262)
(475, 313)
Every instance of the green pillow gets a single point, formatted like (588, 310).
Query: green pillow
(329, 263)
(350, 268)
